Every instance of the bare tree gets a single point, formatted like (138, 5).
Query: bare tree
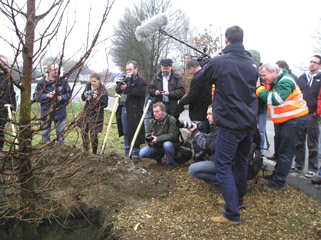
(33, 37)
(148, 52)
(316, 38)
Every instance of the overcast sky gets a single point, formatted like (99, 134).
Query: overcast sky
(277, 29)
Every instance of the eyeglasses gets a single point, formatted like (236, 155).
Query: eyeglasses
(314, 62)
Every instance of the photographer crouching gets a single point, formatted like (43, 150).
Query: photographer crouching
(204, 147)
(162, 137)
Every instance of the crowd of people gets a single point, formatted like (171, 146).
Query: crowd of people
(223, 123)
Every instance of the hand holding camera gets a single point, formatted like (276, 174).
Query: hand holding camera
(151, 139)
(90, 95)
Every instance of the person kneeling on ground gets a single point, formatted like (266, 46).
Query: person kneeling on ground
(204, 168)
(162, 137)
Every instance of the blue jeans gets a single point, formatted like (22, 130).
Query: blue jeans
(60, 127)
(289, 133)
(148, 119)
(261, 124)
(231, 162)
(157, 153)
(204, 170)
(135, 151)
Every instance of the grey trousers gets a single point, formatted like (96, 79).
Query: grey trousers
(310, 137)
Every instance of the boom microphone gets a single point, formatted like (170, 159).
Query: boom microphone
(151, 26)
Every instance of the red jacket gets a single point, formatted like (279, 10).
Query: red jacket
(319, 104)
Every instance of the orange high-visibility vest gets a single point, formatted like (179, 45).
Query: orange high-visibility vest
(292, 107)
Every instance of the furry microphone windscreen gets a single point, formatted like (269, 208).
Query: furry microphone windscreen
(151, 26)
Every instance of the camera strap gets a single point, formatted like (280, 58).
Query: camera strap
(161, 127)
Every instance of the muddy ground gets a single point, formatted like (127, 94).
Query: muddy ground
(107, 197)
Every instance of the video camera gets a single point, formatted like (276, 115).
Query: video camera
(202, 60)
(188, 125)
(126, 78)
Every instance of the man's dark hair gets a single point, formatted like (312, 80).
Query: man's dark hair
(318, 56)
(234, 34)
(192, 64)
(283, 64)
(135, 64)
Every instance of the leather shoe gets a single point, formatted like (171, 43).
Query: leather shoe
(224, 220)
(268, 177)
(221, 201)
(171, 167)
(316, 180)
(273, 186)
(273, 157)
(135, 160)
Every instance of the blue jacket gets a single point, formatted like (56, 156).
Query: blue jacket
(234, 74)
(62, 89)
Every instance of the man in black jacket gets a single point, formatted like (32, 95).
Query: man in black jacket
(168, 87)
(204, 168)
(130, 109)
(310, 84)
(235, 105)
(7, 96)
(199, 95)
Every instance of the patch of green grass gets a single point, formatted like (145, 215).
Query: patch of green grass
(111, 92)
(298, 221)
(73, 135)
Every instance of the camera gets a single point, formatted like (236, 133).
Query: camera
(199, 156)
(161, 91)
(149, 138)
(201, 60)
(90, 95)
(188, 125)
(128, 79)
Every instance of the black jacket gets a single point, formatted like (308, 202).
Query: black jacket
(135, 93)
(205, 142)
(93, 111)
(234, 74)
(7, 95)
(199, 98)
(176, 91)
(310, 91)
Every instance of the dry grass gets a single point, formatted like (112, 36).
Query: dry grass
(185, 213)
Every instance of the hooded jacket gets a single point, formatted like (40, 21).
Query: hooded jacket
(310, 90)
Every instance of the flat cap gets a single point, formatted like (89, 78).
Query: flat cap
(166, 62)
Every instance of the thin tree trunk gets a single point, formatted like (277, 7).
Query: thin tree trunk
(25, 175)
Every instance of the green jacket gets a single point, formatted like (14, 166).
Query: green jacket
(281, 90)
(165, 129)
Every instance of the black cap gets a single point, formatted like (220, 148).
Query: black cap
(166, 62)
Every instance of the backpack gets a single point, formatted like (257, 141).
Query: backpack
(184, 152)
(256, 160)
